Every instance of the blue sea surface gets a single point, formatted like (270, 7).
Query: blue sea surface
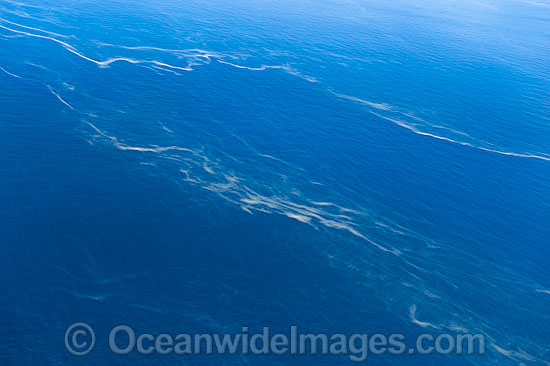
(345, 166)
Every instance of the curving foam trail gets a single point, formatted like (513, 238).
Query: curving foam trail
(64, 44)
(261, 68)
(193, 167)
(418, 322)
(463, 143)
(196, 56)
(121, 146)
(286, 68)
(301, 218)
(10, 74)
(232, 189)
(110, 61)
(17, 3)
(513, 355)
(294, 72)
(105, 63)
(60, 99)
(192, 52)
(414, 129)
(380, 106)
(35, 29)
(534, 3)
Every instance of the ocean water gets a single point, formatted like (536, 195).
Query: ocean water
(346, 166)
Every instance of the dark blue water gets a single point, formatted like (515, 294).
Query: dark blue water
(343, 166)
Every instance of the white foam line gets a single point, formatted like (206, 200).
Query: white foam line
(155, 149)
(60, 99)
(543, 291)
(66, 45)
(535, 3)
(169, 66)
(165, 70)
(486, 5)
(416, 118)
(199, 54)
(513, 354)
(344, 209)
(338, 225)
(35, 29)
(418, 132)
(105, 63)
(248, 199)
(16, 3)
(257, 202)
(10, 74)
(306, 214)
(296, 73)
(27, 16)
(11, 37)
(380, 106)
(261, 68)
(418, 322)
(294, 206)
(208, 169)
(386, 107)
(192, 52)
(323, 203)
(124, 147)
(301, 218)
(269, 157)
